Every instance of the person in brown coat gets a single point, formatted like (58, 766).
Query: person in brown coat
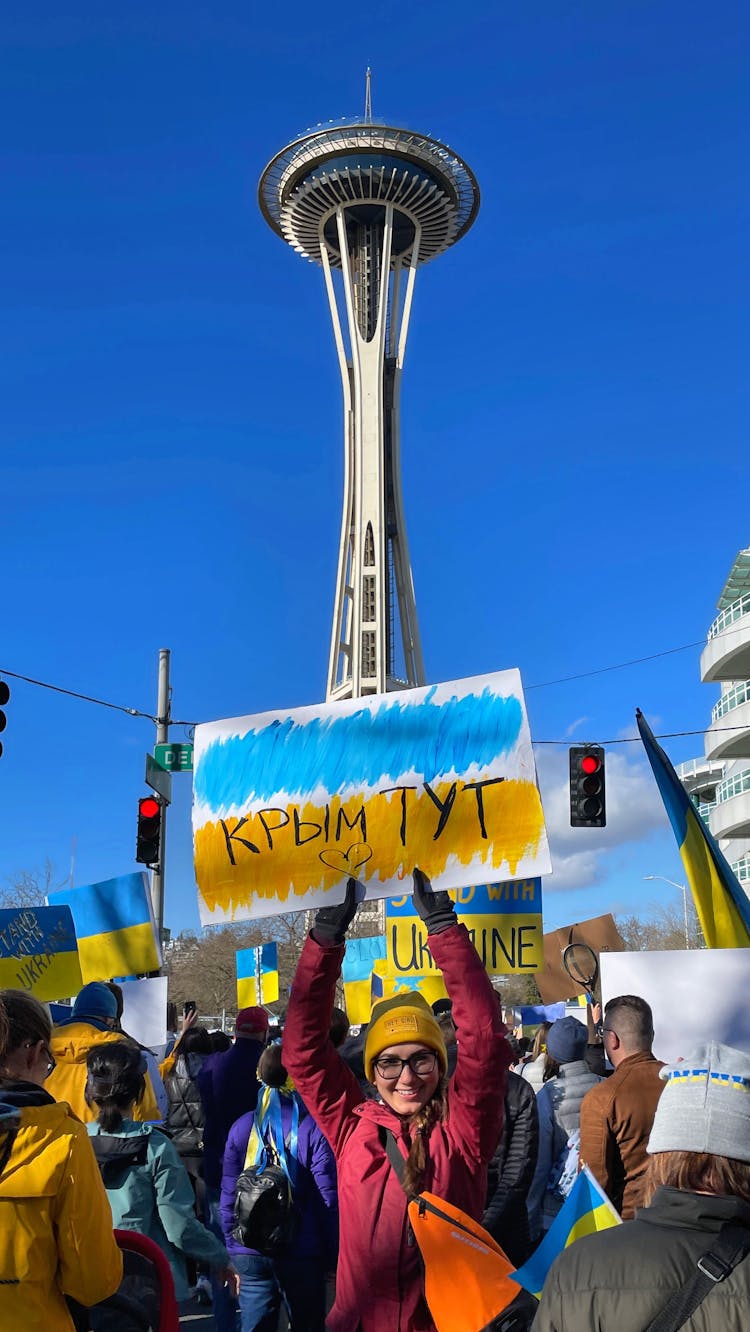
(617, 1114)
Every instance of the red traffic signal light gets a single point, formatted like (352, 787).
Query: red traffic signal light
(587, 792)
(148, 840)
(4, 696)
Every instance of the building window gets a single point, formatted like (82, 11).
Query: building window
(368, 598)
(369, 654)
(369, 548)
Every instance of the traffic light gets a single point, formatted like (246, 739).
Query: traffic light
(4, 696)
(587, 804)
(149, 831)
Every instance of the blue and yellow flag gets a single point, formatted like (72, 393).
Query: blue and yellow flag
(38, 952)
(386, 984)
(722, 905)
(115, 927)
(586, 1211)
(359, 960)
(254, 964)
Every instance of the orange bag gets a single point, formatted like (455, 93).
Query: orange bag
(467, 1277)
(468, 1281)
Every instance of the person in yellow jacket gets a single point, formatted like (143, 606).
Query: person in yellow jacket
(92, 1022)
(56, 1235)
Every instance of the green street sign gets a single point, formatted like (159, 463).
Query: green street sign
(158, 778)
(174, 758)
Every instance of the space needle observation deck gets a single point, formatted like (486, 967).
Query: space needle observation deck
(370, 202)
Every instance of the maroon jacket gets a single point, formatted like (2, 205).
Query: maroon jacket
(379, 1283)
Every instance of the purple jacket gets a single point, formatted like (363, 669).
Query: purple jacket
(228, 1087)
(315, 1192)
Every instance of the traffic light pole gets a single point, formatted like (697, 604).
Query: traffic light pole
(162, 737)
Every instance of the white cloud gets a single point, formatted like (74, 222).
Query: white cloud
(581, 857)
(574, 727)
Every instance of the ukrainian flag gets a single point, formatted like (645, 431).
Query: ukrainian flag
(115, 927)
(723, 908)
(586, 1211)
(38, 952)
(251, 962)
(385, 984)
(359, 960)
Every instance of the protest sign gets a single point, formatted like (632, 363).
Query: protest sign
(287, 805)
(359, 960)
(257, 975)
(144, 1013)
(553, 981)
(504, 921)
(114, 925)
(38, 952)
(696, 995)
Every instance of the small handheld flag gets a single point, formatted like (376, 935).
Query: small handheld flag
(586, 1210)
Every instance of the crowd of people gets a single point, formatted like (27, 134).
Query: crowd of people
(273, 1177)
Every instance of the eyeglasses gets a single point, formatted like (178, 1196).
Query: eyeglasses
(422, 1062)
(51, 1061)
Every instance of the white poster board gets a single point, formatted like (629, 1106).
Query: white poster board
(144, 1013)
(696, 995)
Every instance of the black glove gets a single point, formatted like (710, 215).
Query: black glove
(332, 922)
(436, 909)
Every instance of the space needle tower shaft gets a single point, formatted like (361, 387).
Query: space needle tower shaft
(370, 202)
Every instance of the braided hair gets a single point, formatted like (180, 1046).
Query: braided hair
(434, 1112)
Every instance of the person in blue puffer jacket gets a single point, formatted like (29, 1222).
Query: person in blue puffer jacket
(298, 1276)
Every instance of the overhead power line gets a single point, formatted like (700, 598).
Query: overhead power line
(545, 684)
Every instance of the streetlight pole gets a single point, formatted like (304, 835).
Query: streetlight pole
(683, 890)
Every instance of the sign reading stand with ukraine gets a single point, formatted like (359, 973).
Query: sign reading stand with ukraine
(38, 952)
(287, 805)
(115, 926)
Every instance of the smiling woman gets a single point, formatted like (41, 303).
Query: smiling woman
(445, 1130)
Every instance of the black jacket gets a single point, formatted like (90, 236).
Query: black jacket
(619, 1280)
(511, 1171)
(185, 1114)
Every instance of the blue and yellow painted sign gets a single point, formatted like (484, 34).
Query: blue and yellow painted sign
(38, 952)
(504, 921)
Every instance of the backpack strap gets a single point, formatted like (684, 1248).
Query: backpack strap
(715, 1265)
(425, 1205)
(267, 1136)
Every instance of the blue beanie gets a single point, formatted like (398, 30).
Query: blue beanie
(567, 1039)
(95, 1000)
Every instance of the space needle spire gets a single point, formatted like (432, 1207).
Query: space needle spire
(370, 203)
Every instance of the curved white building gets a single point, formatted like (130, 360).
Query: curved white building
(726, 660)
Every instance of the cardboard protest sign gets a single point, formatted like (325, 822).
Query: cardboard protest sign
(696, 995)
(504, 921)
(257, 975)
(114, 925)
(38, 952)
(287, 805)
(553, 981)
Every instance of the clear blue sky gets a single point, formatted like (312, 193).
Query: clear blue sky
(575, 406)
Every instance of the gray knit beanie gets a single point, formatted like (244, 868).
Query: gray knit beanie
(705, 1105)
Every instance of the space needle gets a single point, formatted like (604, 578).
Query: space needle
(370, 202)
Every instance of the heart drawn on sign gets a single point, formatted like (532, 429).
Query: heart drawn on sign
(349, 861)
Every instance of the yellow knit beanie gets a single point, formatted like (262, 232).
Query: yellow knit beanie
(405, 1019)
